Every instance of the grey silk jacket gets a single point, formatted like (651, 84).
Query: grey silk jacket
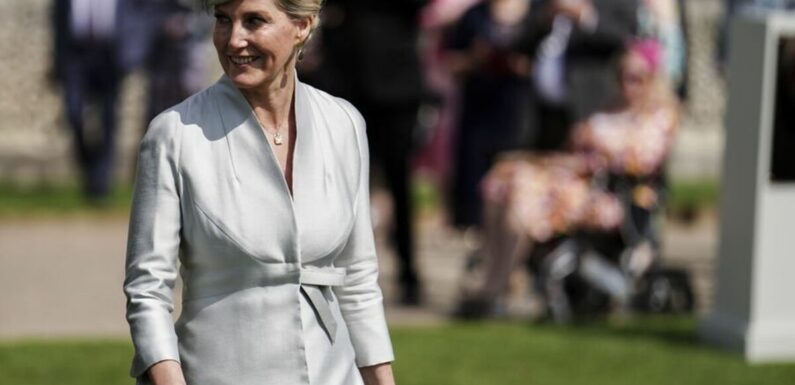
(278, 289)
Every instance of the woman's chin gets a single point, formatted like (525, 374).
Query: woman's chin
(249, 77)
(246, 81)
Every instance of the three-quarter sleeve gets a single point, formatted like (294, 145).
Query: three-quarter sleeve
(360, 298)
(153, 247)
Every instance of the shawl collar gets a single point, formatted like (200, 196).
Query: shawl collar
(317, 188)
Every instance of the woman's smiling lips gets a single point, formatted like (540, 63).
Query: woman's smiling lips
(242, 60)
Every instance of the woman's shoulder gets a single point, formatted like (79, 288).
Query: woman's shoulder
(164, 128)
(345, 128)
(194, 110)
(194, 107)
(329, 101)
(337, 109)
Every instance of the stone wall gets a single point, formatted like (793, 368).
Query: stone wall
(699, 148)
(35, 145)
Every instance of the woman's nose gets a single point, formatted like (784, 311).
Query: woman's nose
(238, 36)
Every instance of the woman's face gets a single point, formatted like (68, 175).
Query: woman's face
(256, 41)
(635, 76)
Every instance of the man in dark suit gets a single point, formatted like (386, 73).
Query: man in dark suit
(88, 68)
(369, 51)
(97, 42)
(573, 42)
(164, 38)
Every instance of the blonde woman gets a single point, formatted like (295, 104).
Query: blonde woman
(258, 185)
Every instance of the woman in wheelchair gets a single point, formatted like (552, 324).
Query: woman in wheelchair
(584, 218)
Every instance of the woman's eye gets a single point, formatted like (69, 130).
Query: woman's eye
(221, 19)
(256, 21)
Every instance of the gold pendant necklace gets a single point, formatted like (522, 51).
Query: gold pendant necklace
(277, 137)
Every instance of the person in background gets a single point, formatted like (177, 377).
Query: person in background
(88, 67)
(494, 84)
(166, 41)
(174, 63)
(571, 43)
(369, 56)
(630, 143)
(538, 198)
(434, 160)
(664, 21)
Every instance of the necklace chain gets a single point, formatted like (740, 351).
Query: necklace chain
(277, 137)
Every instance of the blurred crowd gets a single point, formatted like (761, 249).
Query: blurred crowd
(545, 123)
(96, 44)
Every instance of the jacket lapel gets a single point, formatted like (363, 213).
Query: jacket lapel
(320, 207)
(262, 196)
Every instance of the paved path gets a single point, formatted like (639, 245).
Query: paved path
(62, 277)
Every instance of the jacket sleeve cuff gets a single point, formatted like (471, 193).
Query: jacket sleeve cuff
(370, 338)
(145, 358)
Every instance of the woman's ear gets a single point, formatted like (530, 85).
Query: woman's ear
(304, 25)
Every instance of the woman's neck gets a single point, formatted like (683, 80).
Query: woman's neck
(272, 104)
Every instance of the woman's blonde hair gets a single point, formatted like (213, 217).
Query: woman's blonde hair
(299, 9)
(295, 9)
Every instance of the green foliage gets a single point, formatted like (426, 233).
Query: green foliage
(693, 194)
(648, 351)
(426, 196)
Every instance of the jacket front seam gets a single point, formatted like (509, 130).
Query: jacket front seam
(224, 231)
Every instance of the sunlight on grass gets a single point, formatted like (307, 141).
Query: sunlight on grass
(44, 200)
(647, 354)
(65, 363)
(647, 351)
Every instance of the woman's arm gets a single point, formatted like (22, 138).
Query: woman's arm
(152, 252)
(360, 298)
(380, 374)
(167, 372)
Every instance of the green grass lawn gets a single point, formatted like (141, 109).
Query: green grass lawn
(645, 352)
(49, 200)
(57, 200)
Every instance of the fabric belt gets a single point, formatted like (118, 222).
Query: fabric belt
(314, 281)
